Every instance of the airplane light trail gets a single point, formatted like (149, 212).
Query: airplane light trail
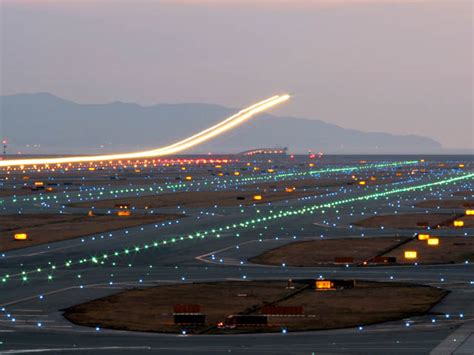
(198, 138)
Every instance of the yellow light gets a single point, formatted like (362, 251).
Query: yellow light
(218, 166)
(324, 285)
(257, 197)
(91, 169)
(423, 236)
(373, 178)
(362, 182)
(469, 212)
(39, 183)
(311, 164)
(20, 236)
(461, 165)
(458, 223)
(205, 135)
(410, 254)
(188, 178)
(236, 173)
(433, 241)
(271, 170)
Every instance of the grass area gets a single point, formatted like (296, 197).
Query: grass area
(467, 193)
(200, 199)
(449, 250)
(21, 192)
(409, 220)
(151, 309)
(446, 204)
(324, 251)
(47, 228)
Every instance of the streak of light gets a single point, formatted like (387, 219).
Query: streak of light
(198, 138)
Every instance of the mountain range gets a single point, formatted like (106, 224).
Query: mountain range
(44, 123)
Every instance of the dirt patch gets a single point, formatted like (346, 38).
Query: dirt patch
(151, 309)
(404, 221)
(446, 204)
(200, 199)
(464, 193)
(45, 228)
(324, 252)
(449, 250)
(468, 221)
(320, 252)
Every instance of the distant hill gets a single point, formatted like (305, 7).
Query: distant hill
(44, 123)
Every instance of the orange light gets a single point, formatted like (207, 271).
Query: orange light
(257, 197)
(271, 170)
(21, 236)
(458, 223)
(124, 213)
(373, 178)
(90, 213)
(39, 183)
(188, 178)
(290, 189)
(324, 285)
(423, 236)
(411, 254)
(433, 241)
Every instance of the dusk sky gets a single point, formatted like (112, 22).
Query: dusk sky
(392, 66)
